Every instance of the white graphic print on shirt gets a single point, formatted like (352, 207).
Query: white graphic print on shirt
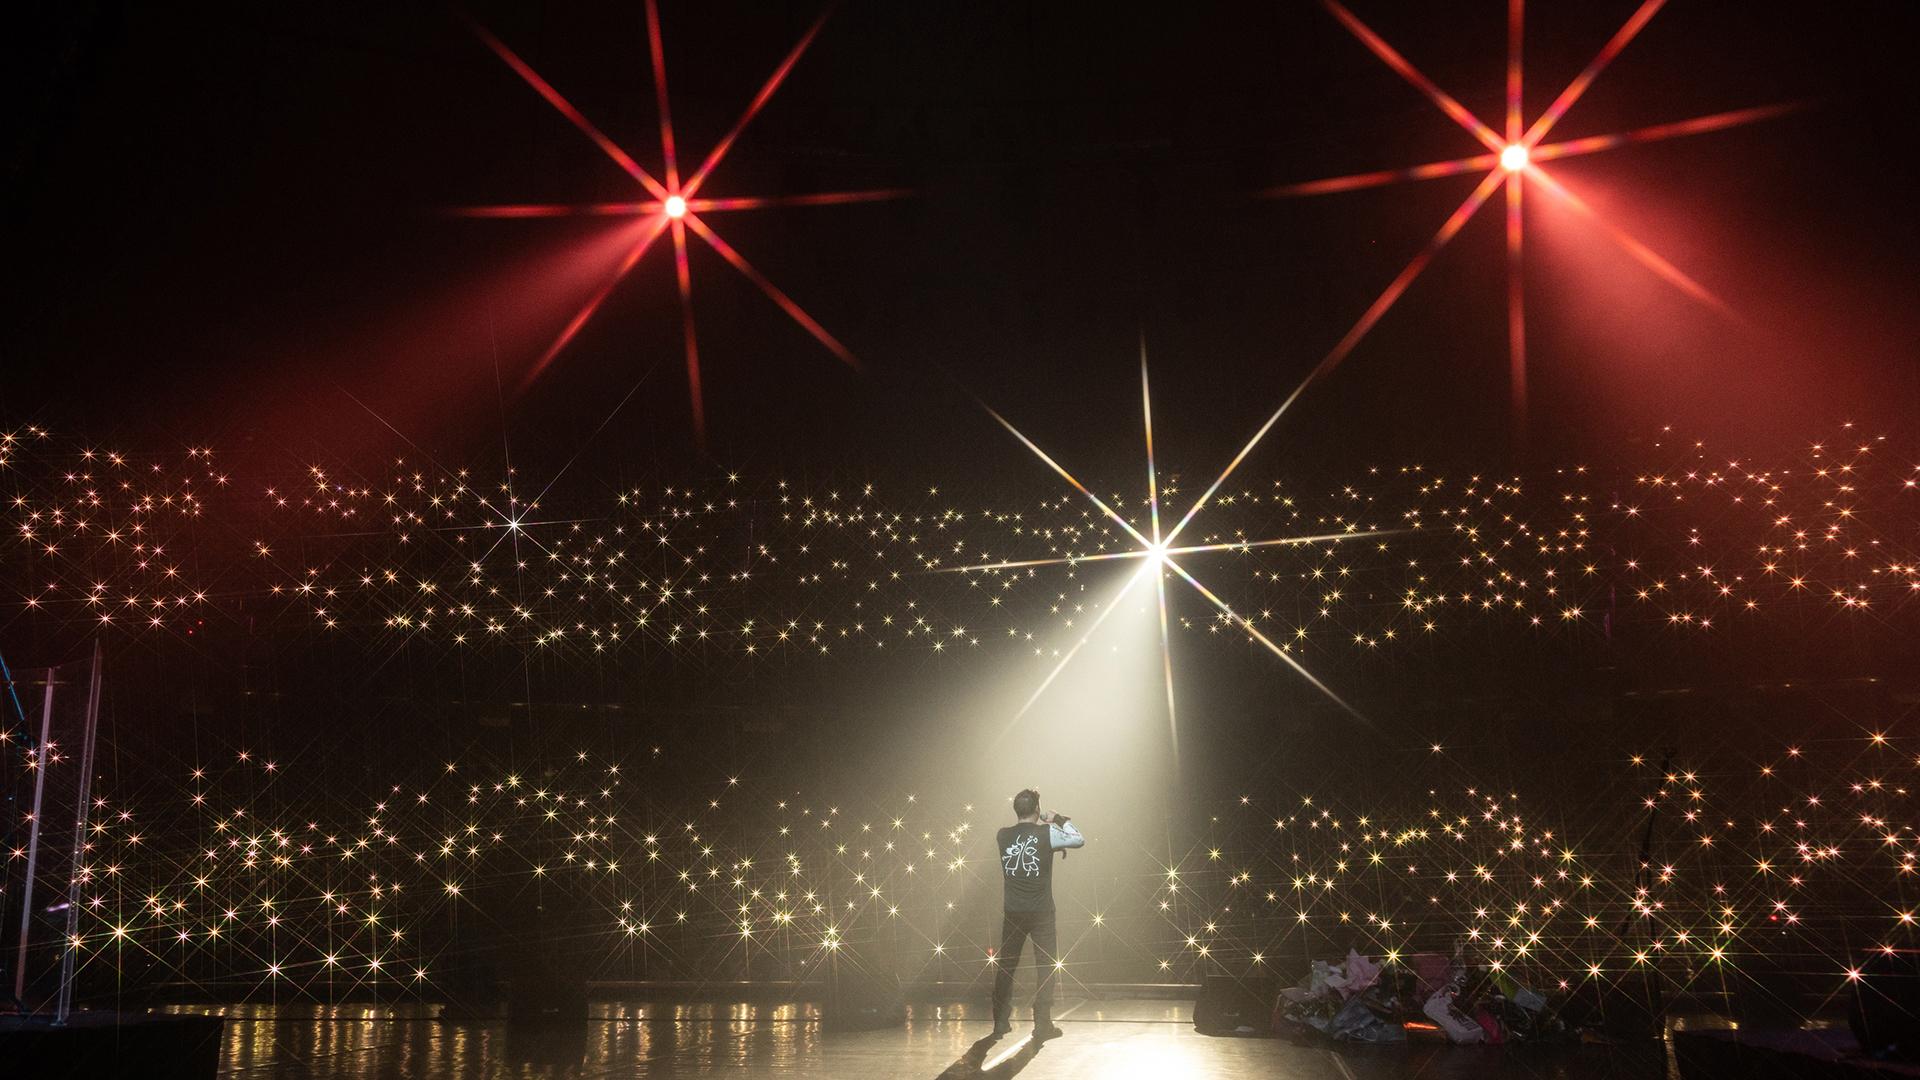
(1022, 857)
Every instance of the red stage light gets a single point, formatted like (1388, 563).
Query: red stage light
(1514, 158)
(676, 205)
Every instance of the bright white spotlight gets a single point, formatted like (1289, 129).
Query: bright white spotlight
(1513, 158)
(676, 207)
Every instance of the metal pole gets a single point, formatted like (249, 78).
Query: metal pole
(83, 802)
(33, 843)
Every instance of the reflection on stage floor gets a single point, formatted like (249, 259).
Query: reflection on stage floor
(1122, 1039)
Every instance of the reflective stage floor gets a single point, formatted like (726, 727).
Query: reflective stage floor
(1125, 1039)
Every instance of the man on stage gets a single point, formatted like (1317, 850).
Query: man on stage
(1026, 867)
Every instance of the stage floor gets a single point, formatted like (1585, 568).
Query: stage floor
(1124, 1039)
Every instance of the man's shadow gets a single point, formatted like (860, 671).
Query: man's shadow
(974, 1065)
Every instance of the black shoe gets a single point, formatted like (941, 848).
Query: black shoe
(1000, 1028)
(1050, 1030)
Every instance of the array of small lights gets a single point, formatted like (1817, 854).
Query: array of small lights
(236, 878)
(1799, 858)
(258, 882)
(739, 570)
(247, 887)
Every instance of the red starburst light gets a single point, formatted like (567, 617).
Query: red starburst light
(1513, 157)
(673, 205)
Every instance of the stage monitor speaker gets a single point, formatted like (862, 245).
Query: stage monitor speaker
(1232, 1006)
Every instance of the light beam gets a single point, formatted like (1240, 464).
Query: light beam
(1155, 554)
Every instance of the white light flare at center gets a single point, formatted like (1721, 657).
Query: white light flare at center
(1157, 555)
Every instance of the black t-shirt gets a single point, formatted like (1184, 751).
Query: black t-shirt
(1026, 865)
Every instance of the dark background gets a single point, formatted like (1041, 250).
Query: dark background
(227, 224)
(230, 227)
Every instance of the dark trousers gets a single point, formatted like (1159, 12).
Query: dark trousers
(1015, 929)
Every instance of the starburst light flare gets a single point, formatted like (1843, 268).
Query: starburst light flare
(1156, 555)
(1513, 157)
(675, 205)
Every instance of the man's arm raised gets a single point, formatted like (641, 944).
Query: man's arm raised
(1061, 834)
